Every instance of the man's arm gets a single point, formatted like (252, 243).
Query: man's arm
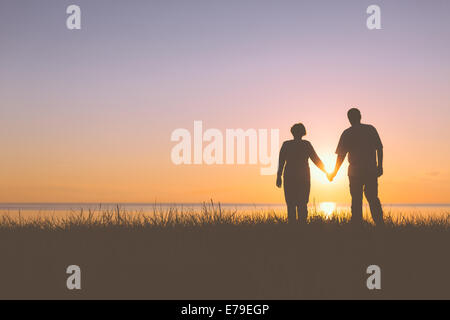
(379, 148)
(339, 161)
(341, 151)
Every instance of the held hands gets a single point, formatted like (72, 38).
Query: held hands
(331, 176)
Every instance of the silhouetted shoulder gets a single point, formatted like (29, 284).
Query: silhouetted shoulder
(343, 145)
(349, 129)
(311, 152)
(308, 145)
(369, 127)
(286, 143)
(375, 137)
(360, 128)
(285, 146)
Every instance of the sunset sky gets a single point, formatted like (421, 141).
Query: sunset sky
(86, 115)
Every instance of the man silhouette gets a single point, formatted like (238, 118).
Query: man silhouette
(364, 148)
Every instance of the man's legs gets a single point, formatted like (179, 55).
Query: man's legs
(302, 212)
(356, 191)
(371, 192)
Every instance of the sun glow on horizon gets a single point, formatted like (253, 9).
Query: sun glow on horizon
(327, 207)
(329, 160)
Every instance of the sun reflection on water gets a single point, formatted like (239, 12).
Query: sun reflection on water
(327, 208)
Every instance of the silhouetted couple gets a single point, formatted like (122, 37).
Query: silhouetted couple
(365, 156)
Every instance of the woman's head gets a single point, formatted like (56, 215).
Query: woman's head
(298, 130)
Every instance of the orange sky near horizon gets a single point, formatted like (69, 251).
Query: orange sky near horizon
(87, 116)
(94, 171)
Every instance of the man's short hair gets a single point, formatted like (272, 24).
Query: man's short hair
(298, 130)
(354, 115)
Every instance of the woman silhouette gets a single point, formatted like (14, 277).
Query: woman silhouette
(294, 156)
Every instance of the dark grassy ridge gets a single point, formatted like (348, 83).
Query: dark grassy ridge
(217, 255)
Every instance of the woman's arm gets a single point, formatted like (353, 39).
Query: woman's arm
(315, 158)
(281, 162)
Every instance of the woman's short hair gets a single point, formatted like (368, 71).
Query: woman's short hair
(298, 130)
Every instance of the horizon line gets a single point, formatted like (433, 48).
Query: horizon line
(209, 202)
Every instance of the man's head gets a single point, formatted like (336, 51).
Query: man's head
(298, 130)
(354, 116)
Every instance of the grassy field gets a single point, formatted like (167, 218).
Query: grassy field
(217, 254)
